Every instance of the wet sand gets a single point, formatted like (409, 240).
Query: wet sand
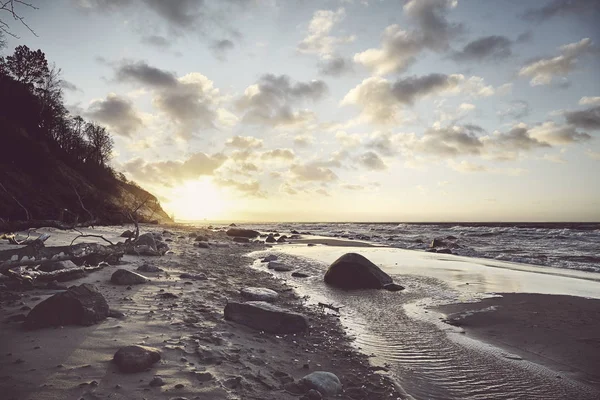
(203, 355)
(561, 332)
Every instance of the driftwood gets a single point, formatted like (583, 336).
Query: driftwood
(61, 275)
(36, 253)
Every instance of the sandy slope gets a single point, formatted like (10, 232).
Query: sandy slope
(204, 356)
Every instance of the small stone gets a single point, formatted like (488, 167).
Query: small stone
(156, 381)
(204, 376)
(179, 386)
(136, 358)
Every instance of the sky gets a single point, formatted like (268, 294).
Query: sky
(339, 110)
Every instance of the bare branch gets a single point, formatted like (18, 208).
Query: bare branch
(18, 202)
(96, 236)
(81, 203)
(9, 6)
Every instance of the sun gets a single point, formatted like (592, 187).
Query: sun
(197, 200)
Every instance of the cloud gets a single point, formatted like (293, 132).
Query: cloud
(312, 172)
(160, 42)
(488, 48)
(318, 40)
(349, 186)
(372, 161)
(450, 141)
(553, 134)
(249, 188)
(304, 140)
(269, 102)
(585, 119)
(516, 109)
(190, 102)
(116, 112)
(335, 66)
(281, 154)
(170, 173)
(545, 70)
(348, 140)
(69, 86)
(221, 47)
(562, 8)
(380, 100)
(594, 155)
(594, 101)
(384, 143)
(399, 48)
(244, 142)
(466, 166)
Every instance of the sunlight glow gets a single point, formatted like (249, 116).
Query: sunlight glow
(197, 200)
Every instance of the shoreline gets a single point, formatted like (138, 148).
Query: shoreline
(76, 362)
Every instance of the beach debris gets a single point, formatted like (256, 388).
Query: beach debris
(196, 277)
(136, 358)
(326, 383)
(297, 274)
(259, 294)
(266, 317)
(329, 306)
(279, 267)
(239, 232)
(126, 277)
(79, 305)
(354, 271)
(56, 265)
(270, 257)
(149, 268)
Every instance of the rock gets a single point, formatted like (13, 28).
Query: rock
(444, 251)
(57, 265)
(299, 275)
(450, 237)
(202, 245)
(311, 245)
(125, 277)
(193, 234)
(353, 271)
(150, 244)
(275, 234)
(168, 295)
(136, 358)
(270, 239)
(419, 241)
(54, 285)
(204, 376)
(79, 305)
(294, 232)
(270, 257)
(437, 243)
(196, 277)
(116, 314)
(247, 233)
(156, 382)
(149, 268)
(325, 383)
(259, 294)
(279, 267)
(232, 224)
(265, 317)
(393, 287)
(282, 239)
(312, 394)
(128, 234)
(241, 239)
(201, 238)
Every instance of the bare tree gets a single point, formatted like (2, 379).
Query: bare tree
(8, 7)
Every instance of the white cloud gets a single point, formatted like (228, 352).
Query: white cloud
(319, 41)
(593, 101)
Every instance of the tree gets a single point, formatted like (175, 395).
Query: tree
(26, 66)
(101, 143)
(8, 7)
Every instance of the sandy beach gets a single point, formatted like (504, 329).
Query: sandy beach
(203, 356)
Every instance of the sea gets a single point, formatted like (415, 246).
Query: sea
(557, 245)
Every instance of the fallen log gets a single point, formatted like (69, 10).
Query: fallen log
(81, 253)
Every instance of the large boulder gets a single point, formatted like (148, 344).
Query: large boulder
(149, 244)
(259, 294)
(125, 277)
(239, 232)
(265, 317)
(326, 383)
(270, 239)
(79, 305)
(353, 271)
(136, 358)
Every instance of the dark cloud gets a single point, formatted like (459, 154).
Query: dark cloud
(383, 143)
(488, 48)
(282, 154)
(157, 41)
(558, 135)
(221, 47)
(69, 86)
(270, 100)
(407, 90)
(562, 8)
(430, 15)
(525, 37)
(170, 173)
(517, 139)
(117, 112)
(372, 161)
(335, 66)
(312, 172)
(141, 72)
(585, 119)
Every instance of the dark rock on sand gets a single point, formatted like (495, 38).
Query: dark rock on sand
(202, 245)
(437, 243)
(312, 394)
(299, 275)
(270, 257)
(128, 234)
(353, 271)
(241, 239)
(270, 239)
(196, 277)
(393, 287)
(56, 266)
(326, 383)
(136, 358)
(294, 232)
(247, 233)
(282, 239)
(125, 277)
(80, 305)
(150, 244)
(450, 237)
(444, 251)
(156, 382)
(149, 268)
(265, 317)
(201, 238)
(279, 267)
(259, 294)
